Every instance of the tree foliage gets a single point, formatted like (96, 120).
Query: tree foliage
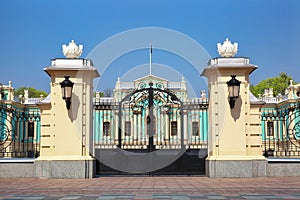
(101, 94)
(109, 92)
(278, 83)
(33, 93)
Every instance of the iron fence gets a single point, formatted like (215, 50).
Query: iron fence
(19, 131)
(281, 131)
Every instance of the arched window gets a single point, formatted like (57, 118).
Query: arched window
(106, 128)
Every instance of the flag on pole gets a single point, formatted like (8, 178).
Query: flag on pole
(150, 67)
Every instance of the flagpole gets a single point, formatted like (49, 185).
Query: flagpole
(150, 66)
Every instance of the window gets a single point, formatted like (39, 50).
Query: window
(30, 129)
(173, 128)
(127, 128)
(270, 129)
(106, 129)
(195, 128)
(148, 125)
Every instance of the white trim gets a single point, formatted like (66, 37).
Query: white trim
(17, 160)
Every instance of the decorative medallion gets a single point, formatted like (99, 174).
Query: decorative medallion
(142, 85)
(4, 133)
(294, 132)
(159, 85)
(6, 127)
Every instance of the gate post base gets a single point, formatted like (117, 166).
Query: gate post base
(67, 167)
(236, 167)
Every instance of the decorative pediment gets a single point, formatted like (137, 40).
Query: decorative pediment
(144, 82)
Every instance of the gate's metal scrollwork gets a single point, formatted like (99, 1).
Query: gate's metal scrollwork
(6, 128)
(147, 99)
(294, 126)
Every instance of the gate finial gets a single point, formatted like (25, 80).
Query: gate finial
(72, 50)
(227, 49)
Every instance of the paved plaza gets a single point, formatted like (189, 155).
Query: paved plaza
(157, 187)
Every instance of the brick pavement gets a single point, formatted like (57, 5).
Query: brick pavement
(143, 187)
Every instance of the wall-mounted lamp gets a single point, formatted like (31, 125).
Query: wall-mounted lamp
(66, 89)
(233, 90)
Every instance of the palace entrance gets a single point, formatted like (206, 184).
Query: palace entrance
(150, 131)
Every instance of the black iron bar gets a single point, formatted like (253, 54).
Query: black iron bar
(151, 118)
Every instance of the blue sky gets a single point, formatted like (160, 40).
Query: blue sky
(32, 32)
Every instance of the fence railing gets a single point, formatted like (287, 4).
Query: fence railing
(19, 131)
(281, 132)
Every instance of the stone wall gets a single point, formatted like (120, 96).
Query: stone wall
(17, 168)
(31, 168)
(283, 167)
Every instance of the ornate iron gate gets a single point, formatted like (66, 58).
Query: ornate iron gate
(154, 122)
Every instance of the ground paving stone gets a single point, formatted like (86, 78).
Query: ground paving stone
(143, 188)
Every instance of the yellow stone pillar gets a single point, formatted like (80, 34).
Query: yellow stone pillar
(67, 135)
(229, 141)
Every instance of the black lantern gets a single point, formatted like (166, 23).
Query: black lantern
(66, 89)
(233, 90)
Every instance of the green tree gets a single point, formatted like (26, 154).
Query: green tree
(33, 93)
(101, 94)
(278, 83)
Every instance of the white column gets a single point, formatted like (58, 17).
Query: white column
(134, 129)
(167, 124)
(160, 131)
(116, 127)
(157, 121)
(185, 125)
(131, 119)
(143, 125)
(123, 130)
(139, 129)
(178, 138)
(162, 128)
